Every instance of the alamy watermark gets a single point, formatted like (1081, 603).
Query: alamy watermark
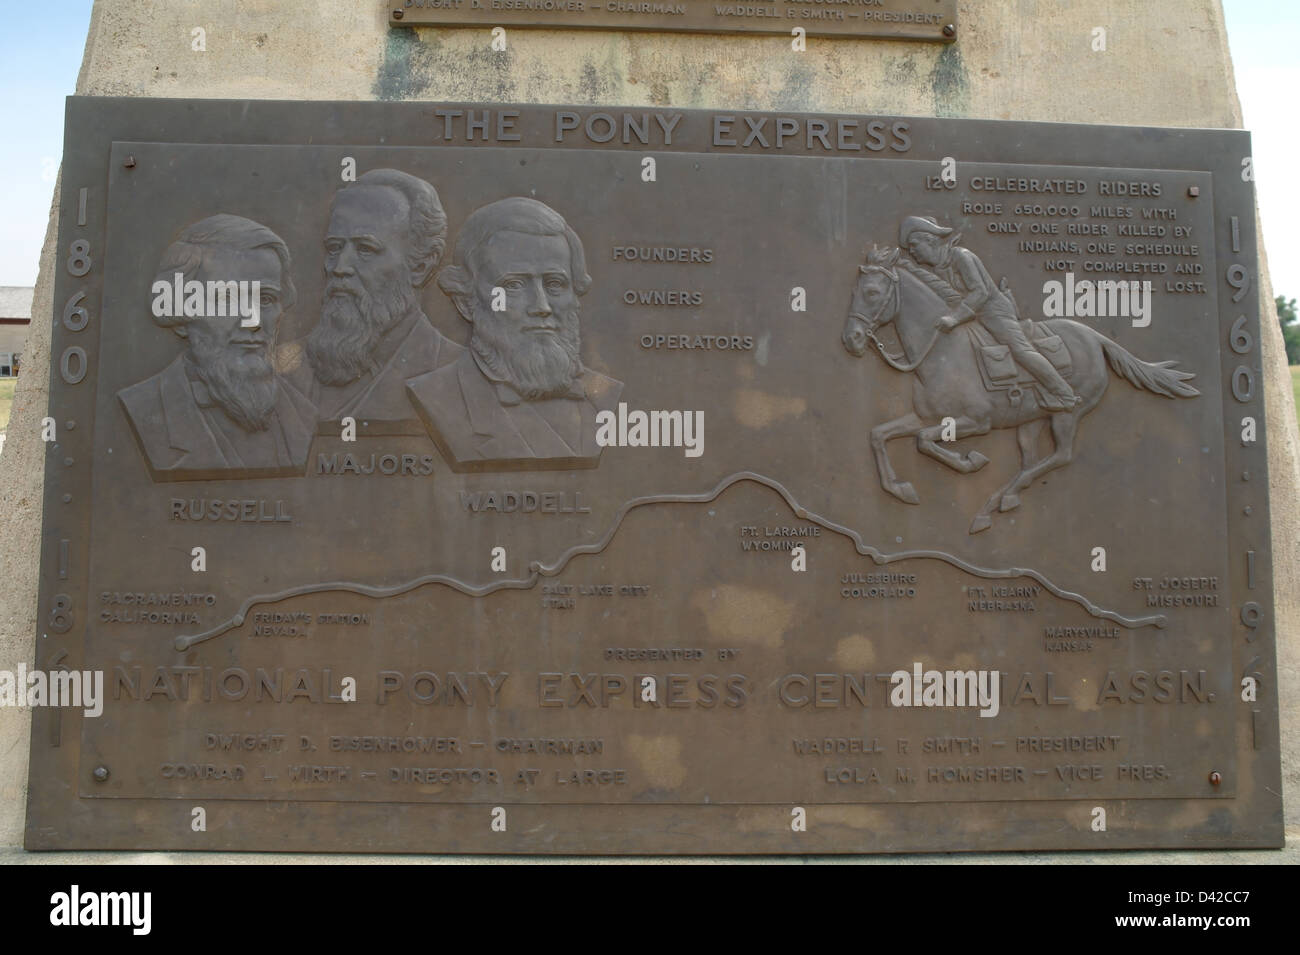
(956, 688)
(75, 908)
(210, 299)
(651, 429)
(82, 689)
(1103, 298)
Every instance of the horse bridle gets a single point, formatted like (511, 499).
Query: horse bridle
(871, 323)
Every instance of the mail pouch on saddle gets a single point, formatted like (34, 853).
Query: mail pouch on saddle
(1013, 353)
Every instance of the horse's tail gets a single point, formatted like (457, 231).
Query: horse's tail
(1160, 377)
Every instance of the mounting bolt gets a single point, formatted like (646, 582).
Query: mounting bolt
(130, 162)
(1193, 191)
(949, 30)
(397, 14)
(100, 773)
(1215, 779)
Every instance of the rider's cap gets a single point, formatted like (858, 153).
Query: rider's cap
(918, 224)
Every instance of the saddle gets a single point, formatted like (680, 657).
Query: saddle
(998, 366)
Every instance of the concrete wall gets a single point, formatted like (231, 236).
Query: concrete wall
(1166, 64)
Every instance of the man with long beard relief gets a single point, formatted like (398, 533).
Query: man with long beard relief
(219, 409)
(519, 397)
(386, 235)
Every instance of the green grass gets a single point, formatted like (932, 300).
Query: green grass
(7, 397)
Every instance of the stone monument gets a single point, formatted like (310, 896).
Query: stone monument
(416, 448)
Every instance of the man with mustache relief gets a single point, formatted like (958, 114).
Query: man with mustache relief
(386, 235)
(220, 409)
(519, 398)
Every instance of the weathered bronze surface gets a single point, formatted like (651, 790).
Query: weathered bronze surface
(554, 497)
(898, 19)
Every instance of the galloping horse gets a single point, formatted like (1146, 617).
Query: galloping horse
(948, 383)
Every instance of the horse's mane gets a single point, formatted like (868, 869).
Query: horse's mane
(931, 281)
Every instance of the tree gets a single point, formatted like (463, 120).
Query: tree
(1286, 314)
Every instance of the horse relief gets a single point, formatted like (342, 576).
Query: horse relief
(962, 369)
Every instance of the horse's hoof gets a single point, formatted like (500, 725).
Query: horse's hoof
(1009, 502)
(905, 493)
(976, 460)
(981, 523)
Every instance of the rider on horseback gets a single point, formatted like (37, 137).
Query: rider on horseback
(980, 299)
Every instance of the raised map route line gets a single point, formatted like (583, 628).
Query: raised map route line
(538, 569)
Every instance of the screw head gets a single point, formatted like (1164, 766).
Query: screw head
(397, 14)
(1193, 191)
(1215, 779)
(130, 162)
(100, 773)
(949, 29)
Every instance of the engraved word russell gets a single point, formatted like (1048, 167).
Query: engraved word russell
(923, 687)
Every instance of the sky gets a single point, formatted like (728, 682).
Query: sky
(41, 46)
(1262, 36)
(40, 53)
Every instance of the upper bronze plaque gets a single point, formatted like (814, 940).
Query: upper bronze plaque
(899, 19)
(548, 479)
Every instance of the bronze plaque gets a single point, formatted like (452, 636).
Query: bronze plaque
(896, 19)
(472, 478)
